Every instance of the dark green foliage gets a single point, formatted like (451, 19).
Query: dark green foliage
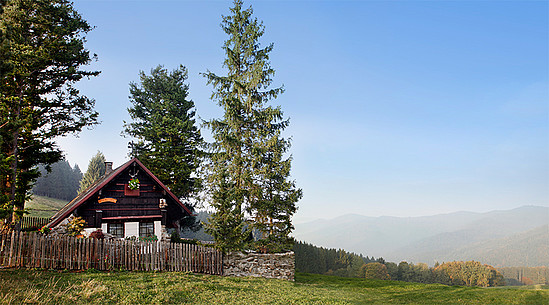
(41, 52)
(392, 270)
(248, 172)
(62, 182)
(312, 259)
(166, 139)
(174, 237)
(96, 169)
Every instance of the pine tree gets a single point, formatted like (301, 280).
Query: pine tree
(167, 140)
(96, 169)
(41, 55)
(248, 172)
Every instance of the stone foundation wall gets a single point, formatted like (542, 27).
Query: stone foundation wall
(277, 265)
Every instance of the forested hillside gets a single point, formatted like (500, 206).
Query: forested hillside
(499, 238)
(312, 259)
(61, 182)
(530, 249)
(526, 275)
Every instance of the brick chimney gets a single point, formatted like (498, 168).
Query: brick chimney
(108, 168)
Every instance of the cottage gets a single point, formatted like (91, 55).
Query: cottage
(127, 201)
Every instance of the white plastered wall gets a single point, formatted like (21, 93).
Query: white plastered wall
(158, 229)
(131, 229)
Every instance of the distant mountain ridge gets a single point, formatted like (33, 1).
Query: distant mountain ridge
(499, 238)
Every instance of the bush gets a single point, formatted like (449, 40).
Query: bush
(148, 238)
(75, 226)
(45, 230)
(174, 237)
(97, 234)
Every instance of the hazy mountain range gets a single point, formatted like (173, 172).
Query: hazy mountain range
(518, 237)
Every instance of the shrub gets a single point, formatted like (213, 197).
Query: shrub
(97, 234)
(148, 238)
(174, 237)
(75, 226)
(45, 230)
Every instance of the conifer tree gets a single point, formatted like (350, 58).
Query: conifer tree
(248, 173)
(96, 169)
(41, 56)
(167, 140)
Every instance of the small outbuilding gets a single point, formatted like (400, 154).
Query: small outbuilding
(125, 202)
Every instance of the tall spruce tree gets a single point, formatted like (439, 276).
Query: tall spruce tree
(248, 173)
(41, 55)
(167, 140)
(96, 169)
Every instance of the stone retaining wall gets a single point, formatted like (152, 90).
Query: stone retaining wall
(277, 265)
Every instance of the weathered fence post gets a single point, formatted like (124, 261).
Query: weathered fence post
(33, 250)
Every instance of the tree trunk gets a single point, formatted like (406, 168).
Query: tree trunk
(14, 164)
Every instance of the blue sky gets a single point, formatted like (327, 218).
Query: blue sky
(400, 108)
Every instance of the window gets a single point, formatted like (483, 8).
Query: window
(146, 229)
(116, 229)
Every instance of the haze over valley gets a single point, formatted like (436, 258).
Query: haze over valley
(517, 237)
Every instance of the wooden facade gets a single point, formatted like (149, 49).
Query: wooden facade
(110, 201)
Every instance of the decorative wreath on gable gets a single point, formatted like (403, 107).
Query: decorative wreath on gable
(133, 184)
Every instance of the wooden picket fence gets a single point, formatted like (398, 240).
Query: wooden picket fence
(33, 222)
(33, 250)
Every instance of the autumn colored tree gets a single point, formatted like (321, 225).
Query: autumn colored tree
(376, 271)
(469, 273)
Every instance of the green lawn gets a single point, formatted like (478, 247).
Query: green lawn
(41, 206)
(53, 287)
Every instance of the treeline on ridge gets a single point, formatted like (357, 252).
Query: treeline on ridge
(312, 259)
(62, 182)
(525, 275)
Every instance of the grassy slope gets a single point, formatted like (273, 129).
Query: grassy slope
(52, 287)
(41, 206)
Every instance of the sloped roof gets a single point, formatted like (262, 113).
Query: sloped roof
(99, 184)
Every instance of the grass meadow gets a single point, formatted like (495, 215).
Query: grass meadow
(41, 206)
(64, 287)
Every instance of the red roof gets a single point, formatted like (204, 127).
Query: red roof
(90, 191)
